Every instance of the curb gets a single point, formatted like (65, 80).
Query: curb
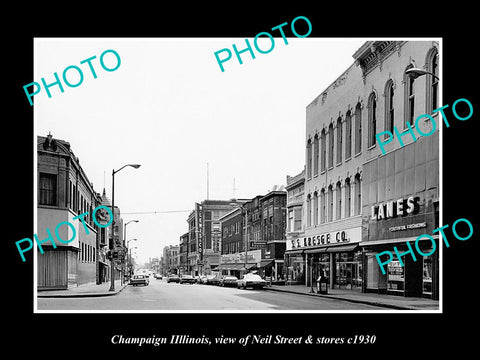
(82, 295)
(391, 306)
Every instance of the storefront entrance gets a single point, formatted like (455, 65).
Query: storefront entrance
(348, 270)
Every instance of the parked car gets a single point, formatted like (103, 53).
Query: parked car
(173, 278)
(199, 279)
(228, 280)
(251, 280)
(139, 279)
(158, 276)
(213, 280)
(187, 279)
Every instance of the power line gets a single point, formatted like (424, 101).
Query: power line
(155, 212)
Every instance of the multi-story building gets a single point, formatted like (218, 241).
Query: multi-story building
(65, 192)
(274, 223)
(253, 236)
(350, 184)
(295, 268)
(183, 254)
(205, 235)
(171, 259)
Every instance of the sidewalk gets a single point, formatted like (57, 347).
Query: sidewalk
(87, 290)
(387, 301)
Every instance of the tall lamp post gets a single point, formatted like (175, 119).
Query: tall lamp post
(112, 245)
(130, 259)
(124, 239)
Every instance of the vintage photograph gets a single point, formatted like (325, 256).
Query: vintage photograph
(276, 174)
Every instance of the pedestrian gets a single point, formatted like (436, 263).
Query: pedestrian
(319, 279)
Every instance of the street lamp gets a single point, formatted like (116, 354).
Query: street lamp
(112, 245)
(124, 238)
(130, 257)
(416, 72)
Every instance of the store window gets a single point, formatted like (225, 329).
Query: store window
(348, 270)
(396, 276)
(427, 274)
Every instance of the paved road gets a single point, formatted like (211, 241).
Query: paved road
(162, 296)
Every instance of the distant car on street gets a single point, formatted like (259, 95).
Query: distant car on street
(187, 279)
(158, 276)
(212, 280)
(139, 279)
(173, 278)
(251, 280)
(228, 280)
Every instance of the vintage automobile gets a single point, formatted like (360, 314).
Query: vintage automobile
(251, 280)
(139, 279)
(213, 280)
(173, 278)
(158, 276)
(228, 280)
(187, 279)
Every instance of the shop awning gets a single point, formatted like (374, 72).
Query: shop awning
(342, 248)
(265, 262)
(316, 250)
(294, 252)
(395, 241)
(235, 266)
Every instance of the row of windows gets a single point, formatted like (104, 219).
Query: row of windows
(317, 153)
(87, 253)
(320, 204)
(47, 195)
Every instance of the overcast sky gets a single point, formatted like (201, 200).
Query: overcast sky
(169, 108)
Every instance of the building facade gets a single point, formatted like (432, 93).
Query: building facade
(65, 192)
(205, 237)
(348, 174)
(253, 236)
(295, 268)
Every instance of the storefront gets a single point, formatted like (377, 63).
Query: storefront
(401, 204)
(238, 264)
(335, 256)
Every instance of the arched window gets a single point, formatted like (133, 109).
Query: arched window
(322, 206)
(315, 155)
(330, 146)
(309, 159)
(330, 203)
(339, 140)
(315, 208)
(389, 109)
(358, 129)
(338, 202)
(372, 119)
(358, 193)
(348, 195)
(309, 211)
(432, 81)
(409, 83)
(323, 155)
(348, 135)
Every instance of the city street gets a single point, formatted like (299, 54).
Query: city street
(162, 296)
